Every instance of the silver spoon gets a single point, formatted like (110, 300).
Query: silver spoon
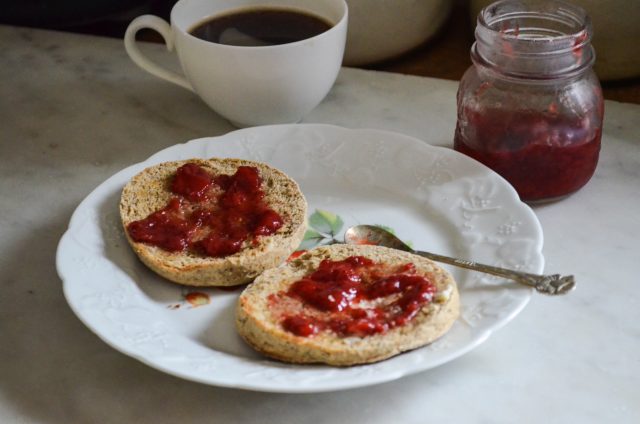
(547, 284)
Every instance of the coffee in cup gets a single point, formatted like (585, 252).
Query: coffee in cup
(254, 62)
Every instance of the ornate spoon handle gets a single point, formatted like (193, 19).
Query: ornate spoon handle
(548, 284)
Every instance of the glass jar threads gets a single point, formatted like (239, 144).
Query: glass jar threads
(530, 107)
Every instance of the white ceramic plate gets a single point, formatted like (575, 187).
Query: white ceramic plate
(433, 197)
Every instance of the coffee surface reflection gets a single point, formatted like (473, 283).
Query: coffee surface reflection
(260, 27)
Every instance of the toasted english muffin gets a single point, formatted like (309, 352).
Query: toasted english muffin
(150, 191)
(260, 322)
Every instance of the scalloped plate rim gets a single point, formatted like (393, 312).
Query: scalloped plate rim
(478, 339)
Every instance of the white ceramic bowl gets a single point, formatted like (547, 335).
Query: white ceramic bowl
(382, 29)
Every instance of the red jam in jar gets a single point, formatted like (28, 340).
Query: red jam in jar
(353, 297)
(531, 107)
(209, 215)
(541, 155)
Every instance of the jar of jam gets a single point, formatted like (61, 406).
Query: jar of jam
(530, 107)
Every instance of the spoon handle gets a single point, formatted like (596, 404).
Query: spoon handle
(548, 284)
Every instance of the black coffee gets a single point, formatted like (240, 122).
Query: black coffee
(260, 27)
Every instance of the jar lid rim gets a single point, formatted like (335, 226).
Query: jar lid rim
(558, 11)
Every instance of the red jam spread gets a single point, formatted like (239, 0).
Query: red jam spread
(543, 155)
(353, 297)
(209, 215)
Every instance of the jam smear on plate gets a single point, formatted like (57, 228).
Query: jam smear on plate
(210, 215)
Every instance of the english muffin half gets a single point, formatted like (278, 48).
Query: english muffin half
(194, 200)
(386, 302)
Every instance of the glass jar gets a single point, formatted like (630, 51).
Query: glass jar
(530, 107)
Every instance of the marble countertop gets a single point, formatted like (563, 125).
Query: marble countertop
(75, 110)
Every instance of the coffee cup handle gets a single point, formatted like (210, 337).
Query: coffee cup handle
(164, 29)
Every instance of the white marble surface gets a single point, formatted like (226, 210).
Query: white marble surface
(74, 110)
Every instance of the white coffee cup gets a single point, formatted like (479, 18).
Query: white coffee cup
(249, 85)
